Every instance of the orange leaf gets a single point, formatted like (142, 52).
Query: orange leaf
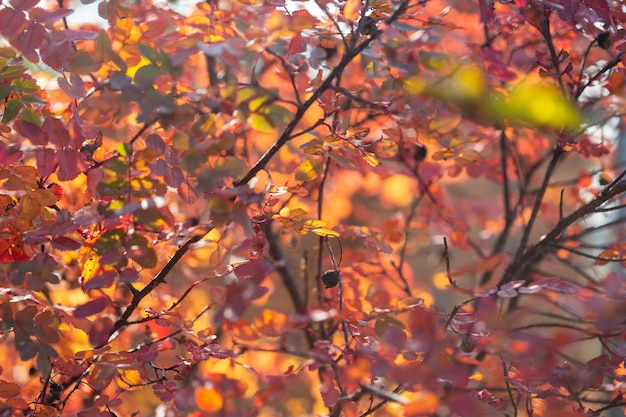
(209, 399)
(9, 389)
(371, 159)
(351, 9)
(607, 254)
(467, 157)
(425, 403)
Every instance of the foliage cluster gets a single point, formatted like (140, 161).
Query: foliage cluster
(343, 208)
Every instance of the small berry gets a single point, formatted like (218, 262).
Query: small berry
(330, 278)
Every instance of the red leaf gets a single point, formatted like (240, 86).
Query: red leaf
(46, 161)
(601, 7)
(295, 45)
(46, 16)
(66, 87)
(568, 9)
(76, 35)
(65, 243)
(68, 164)
(9, 390)
(102, 280)
(30, 39)
(92, 307)
(56, 131)
(31, 132)
(11, 21)
(24, 4)
(486, 10)
(257, 268)
(187, 193)
(55, 52)
(100, 331)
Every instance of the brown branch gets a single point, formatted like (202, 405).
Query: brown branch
(535, 253)
(286, 273)
(285, 136)
(386, 396)
(122, 321)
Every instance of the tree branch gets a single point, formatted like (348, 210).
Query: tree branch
(535, 254)
(122, 321)
(285, 136)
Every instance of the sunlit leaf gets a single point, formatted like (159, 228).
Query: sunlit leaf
(385, 149)
(324, 232)
(541, 104)
(209, 399)
(445, 124)
(9, 389)
(467, 157)
(414, 85)
(371, 159)
(309, 170)
(260, 123)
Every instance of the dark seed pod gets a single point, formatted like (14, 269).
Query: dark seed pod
(420, 152)
(330, 278)
(604, 40)
(369, 27)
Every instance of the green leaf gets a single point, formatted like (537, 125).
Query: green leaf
(81, 62)
(11, 110)
(117, 165)
(278, 115)
(123, 149)
(260, 123)
(22, 85)
(116, 187)
(145, 76)
(147, 187)
(110, 241)
(30, 115)
(11, 71)
(5, 90)
(148, 52)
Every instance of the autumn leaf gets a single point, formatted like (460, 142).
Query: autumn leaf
(309, 170)
(209, 399)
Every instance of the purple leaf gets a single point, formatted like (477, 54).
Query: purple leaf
(100, 331)
(92, 307)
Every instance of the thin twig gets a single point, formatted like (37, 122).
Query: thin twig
(122, 321)
(285, 136)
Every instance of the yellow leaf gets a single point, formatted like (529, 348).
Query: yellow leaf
(371, 159)
(260, 123)
(30, 207)
(414, 85)
(351, 9)
(308, 170)
(467, 157)
(131, 378)
(313, 224)
(386, 148)
(540, 104)
(320, 231)
(445, 124)
(90, 268)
